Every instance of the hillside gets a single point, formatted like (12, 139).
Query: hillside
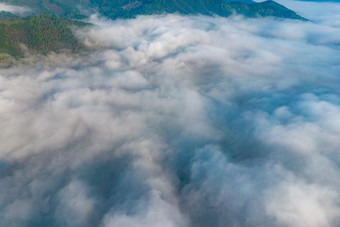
(41, 33)
(130, 8)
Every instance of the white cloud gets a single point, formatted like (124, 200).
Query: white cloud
(299, 204)
(13, 9)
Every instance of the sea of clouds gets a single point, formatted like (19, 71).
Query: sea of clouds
(176, 121)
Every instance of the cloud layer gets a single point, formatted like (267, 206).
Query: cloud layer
(176, 121)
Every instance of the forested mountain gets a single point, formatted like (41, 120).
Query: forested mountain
(131, 8)
(41, 33)
(205, 7)
(45, 31)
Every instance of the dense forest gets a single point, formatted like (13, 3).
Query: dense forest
(41, 33)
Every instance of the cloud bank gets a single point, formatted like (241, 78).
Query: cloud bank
(176, 121)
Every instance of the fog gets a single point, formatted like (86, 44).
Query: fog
(13, 9)
(176, 121)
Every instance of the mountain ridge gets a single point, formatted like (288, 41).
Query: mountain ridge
(50, 31)
(77, 9)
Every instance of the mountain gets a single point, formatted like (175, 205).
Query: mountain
(41, 33)
(267, 8)
(130, 8)
(50, 31)
(63, 8)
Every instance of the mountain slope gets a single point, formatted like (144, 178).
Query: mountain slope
(263, 9)
(7, 15)
(41, 33)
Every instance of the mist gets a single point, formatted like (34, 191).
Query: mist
(13, 9)
(176, 121)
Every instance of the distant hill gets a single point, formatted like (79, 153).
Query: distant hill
(7, 15)
(41, 34)
(130, 8)
(126, 8)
